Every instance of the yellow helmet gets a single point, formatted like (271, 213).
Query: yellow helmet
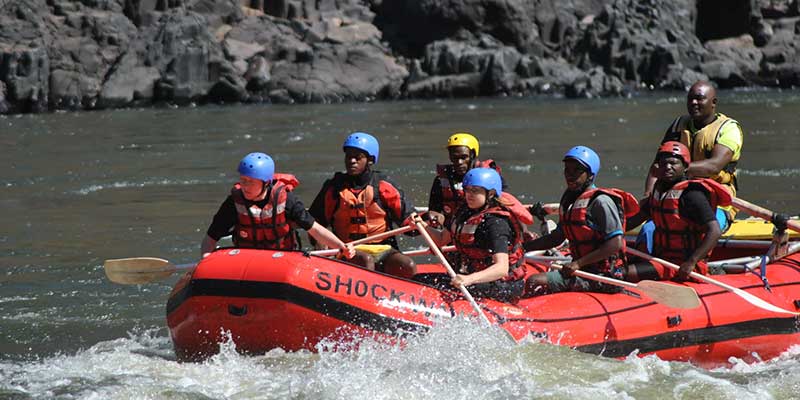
(464, 139)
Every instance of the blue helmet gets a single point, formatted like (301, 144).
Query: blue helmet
(486, 178)
(257, 166)
(363, 141)
(586, 156)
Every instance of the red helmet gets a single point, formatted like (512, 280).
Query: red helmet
(675, 149)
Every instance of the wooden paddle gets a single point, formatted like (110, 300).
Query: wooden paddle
(139, 270)
(762, 213)
(428, 250)
(675, 296)
(550, 208)
(450, 271)
(752, 299)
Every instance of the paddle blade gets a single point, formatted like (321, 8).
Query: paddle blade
(138, 270)
(373, 249)
(675, 296)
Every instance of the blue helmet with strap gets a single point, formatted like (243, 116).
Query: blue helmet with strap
(364, 142)
(486, 178)
(257, 166)
(586, 157)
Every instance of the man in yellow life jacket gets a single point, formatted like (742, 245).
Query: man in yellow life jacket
(447, 192)
(262, 211)
(714, 141)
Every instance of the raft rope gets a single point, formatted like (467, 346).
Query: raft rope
(763, 267)
(780, 222)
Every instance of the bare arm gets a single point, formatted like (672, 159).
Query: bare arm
(327, 238)
(650, 181)
(545, 242)
(720, 157)
(637, 219)
(497, 270)
(607, 249)
(207, 246)
(709, 241)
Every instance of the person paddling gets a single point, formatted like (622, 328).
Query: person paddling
(683, 213)
(714, 141)
(261, 212)
(447, 193)
(593, 219)
(488, 233)
(363, 202)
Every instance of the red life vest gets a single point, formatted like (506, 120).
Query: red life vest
(520, 211)
(452, 191)
(582, 238)
(676, 238)
(357, 213)
(475, 258)
(267, 227)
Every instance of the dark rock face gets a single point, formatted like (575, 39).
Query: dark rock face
(88, 54)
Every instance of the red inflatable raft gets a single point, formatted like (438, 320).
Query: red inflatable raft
(269, 299)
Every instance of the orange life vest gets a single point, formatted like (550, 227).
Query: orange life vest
(676, 238)
(582, 238)
(267, 227)
(358, 213)
(474, 258)
(452, 191)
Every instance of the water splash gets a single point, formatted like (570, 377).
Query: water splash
(459, 359)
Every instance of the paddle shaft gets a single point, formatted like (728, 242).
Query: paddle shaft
(676, 267)
(593, 277)
(550, 208)
(450, 271)
(674, 296)
(444, 249)
(754, 300)
(762, 213)
(373, 238)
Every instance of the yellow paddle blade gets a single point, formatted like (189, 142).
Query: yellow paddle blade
(373, 249)
(137, 270)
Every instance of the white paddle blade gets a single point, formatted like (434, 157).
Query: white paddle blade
(675, 296)
(138, 270)
(761, 303)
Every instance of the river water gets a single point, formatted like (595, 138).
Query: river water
(79, 188)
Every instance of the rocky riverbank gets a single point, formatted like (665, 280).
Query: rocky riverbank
(90, 54)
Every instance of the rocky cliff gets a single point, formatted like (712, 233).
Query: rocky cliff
(90, 54)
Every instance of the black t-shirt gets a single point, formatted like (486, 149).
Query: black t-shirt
(494, 233)
(225, 218)
(695, 206)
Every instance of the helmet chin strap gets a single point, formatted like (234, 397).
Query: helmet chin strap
(263, 191)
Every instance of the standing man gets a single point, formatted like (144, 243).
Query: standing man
(714, 142)
(362, 202)
(593, 220)
(261, 212)
(683, 212)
